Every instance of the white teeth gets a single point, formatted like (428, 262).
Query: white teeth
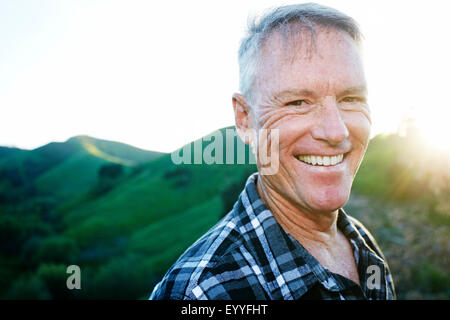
(322, 160)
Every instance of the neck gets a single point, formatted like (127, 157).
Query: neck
(307, 227)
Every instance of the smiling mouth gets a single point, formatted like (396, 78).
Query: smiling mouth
(321, 160)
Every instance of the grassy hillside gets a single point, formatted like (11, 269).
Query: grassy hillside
(124, 215)
(74, 218)
(62, 169)
(6, 152)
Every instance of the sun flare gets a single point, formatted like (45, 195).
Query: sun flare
(435, 132)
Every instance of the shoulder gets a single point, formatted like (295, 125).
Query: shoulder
(200, 270)
(367, 236)
(372, 243)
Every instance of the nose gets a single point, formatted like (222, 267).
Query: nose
(330, 126)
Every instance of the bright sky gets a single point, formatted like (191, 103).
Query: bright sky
(157, 75)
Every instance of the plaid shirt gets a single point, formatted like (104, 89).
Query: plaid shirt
(247, 255)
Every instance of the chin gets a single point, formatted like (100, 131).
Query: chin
(327, 200)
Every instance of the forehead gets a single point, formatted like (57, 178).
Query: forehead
(330, 61)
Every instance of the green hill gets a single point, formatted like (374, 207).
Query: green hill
(62, 170)
(6, 152)
(155, 214)
(85, 218)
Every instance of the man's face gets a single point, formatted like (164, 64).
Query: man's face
(317, 100)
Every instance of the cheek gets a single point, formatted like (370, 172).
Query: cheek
(292, 127)
(359, 128)
(269, 118)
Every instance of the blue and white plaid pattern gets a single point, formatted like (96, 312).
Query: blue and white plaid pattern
(247, 255)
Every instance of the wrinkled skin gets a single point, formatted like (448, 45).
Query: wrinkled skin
(317, 99)
(330, 116)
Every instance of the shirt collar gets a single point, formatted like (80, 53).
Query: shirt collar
(294, 269)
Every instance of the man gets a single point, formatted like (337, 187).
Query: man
(287, 236)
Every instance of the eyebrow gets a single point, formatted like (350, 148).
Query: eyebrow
(306, 92)
(294, 92)
(354, 90)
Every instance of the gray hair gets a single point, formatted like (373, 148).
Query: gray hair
(304, 16)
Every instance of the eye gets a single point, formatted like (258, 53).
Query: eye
(296, 103)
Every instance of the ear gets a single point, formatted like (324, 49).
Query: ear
(243, 118)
